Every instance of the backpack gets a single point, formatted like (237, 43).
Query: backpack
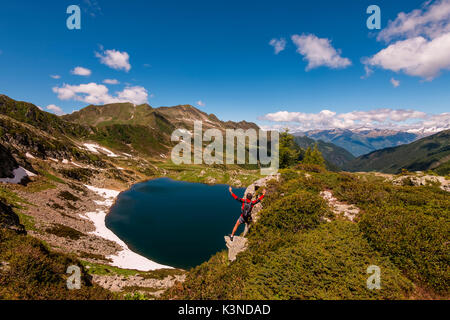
(247, 211)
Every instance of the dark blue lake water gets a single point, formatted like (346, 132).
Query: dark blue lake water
(175, 223)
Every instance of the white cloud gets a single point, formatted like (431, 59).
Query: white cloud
(278, 44)
(115, 59)
(200, 103)
(94, 93)
(326, 119)
(422, 42)
(433, 123)
(55, 76)
(136, 95)
(431, 21)
(319, 52)
(57, 110)
(395, 82)
(80, 71)
(415, 56)
(111, 81)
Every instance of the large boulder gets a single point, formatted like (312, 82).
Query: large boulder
(8, 163)
(236, 246)
(9, 219)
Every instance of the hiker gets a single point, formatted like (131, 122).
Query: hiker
(246, 209)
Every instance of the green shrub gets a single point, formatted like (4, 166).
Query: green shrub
(415, 241)
(410, 224)
(79, 174)
(66, 195)
(65, 232)
(293, 213)
(329, 262)
(135, 296)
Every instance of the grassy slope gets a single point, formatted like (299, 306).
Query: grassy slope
(293, 254)
(421, 155)
(28, 113)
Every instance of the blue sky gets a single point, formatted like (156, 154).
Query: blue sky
(218, 52)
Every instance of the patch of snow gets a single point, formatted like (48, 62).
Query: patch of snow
(29, 155)
(127, 155)
(95, 149)
(90, 147)
(65, 161)
(54, 160)
(19, 174)
(76, 164)
(125, 258)
(29, 173)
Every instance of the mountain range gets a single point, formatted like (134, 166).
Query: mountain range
(363, 141)
(145, 131)
(124, 127)
(429, 153)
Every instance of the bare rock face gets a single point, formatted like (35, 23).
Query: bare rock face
(8, 163)
(236, 246)
(10, 220)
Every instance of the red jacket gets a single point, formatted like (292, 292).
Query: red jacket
(247, 200)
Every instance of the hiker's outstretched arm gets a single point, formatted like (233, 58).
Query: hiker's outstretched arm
(234, 196)
(260, 198)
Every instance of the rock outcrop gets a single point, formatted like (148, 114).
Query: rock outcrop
(236, 246)
(422, 180)
(339, 208)
(118, 283)
(10, 220)
(8, 163)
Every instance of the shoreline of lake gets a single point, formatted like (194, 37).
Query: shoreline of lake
(125, 258)
(199, 215)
